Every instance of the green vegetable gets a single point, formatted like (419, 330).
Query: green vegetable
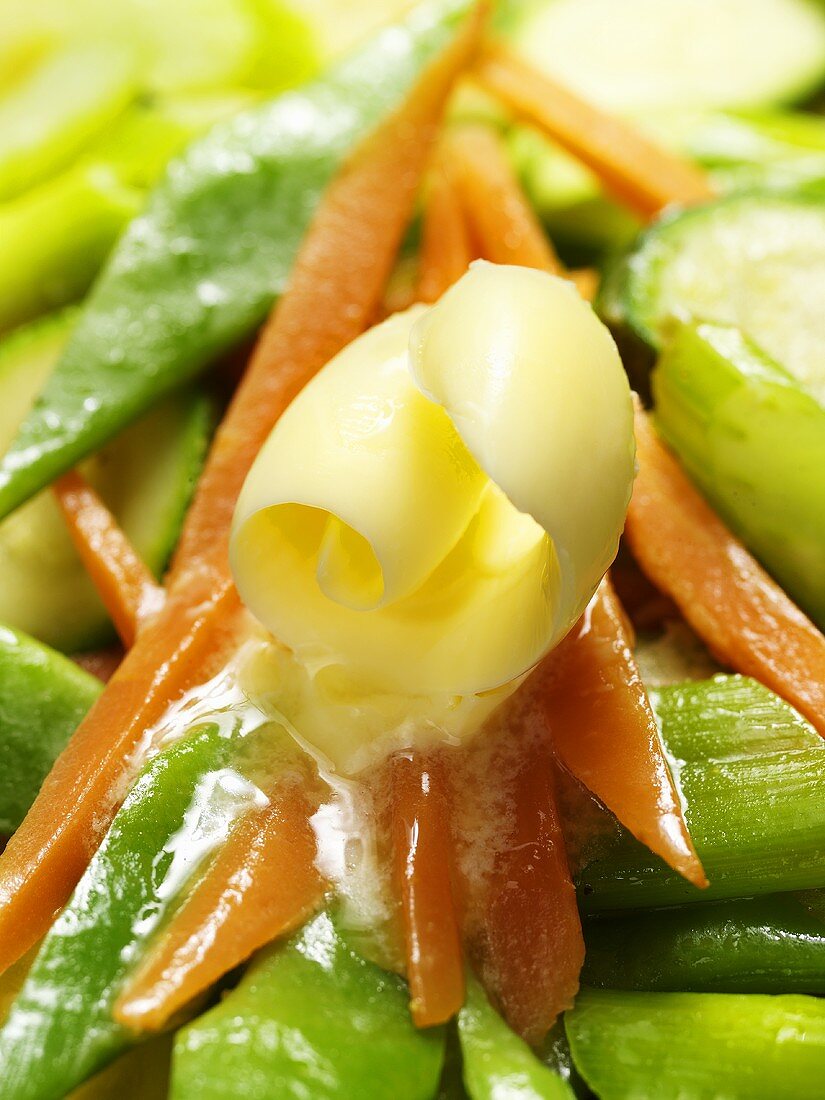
(752, 774)
(698, 1046)
(753, 260)
(60, 1029)
(140, 1074)
(200, 269)
(770, 944)
(56, 237)
(310, 1018)
(694, 53)
(59, 106)
(43, 696)
(146, 477)
(497, 1063)
(753, 440)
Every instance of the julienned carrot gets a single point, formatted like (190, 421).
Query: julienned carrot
(520, 914)
(336, 285)
(604, 731)
(741, 614)
(501, 219)
(263, 884)
(639, 173)
(422, 847)
(127, 588)
(446, 248)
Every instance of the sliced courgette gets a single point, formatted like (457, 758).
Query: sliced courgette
(753, 440)
(145, 476)
(755, 260)
(683, 53)
(43, 696)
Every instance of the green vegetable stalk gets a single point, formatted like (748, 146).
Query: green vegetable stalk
(771, 944)
(698, 1046)
(199, 270)
(752, 775)
(43, 696)
(310, 1018)
(753, 440)
(497, 1062)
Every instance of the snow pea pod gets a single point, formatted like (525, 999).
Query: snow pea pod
(60, 1028)
(772, 944)
(43, 696)
(496, 1061)
(752, 775)
(199, 270)
(310, 1018)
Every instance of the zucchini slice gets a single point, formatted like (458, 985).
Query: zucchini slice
(755, 260)
(146, 477)
(681, 53)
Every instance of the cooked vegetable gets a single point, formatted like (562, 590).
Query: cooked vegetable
(422, 848)
(41, 865)
(744, 617)
(750, 260)
(752, 776)
(698, 1046)
(146, 478)
(262, 884)
(313, 1019)
(639, 173)
(684, 53)
(199, 270)
(43, 697)
(753, 439)
(446, 248)
(60, 1029)
(771, 944)
(604, 731)
(497, 1063)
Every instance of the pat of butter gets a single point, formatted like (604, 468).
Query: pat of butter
(436, 508)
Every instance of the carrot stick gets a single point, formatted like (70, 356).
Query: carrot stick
(520, 914)
(500, 217)
(639, 173)
(446, 250)
(421, 854)
(263, 884)
(605, 733)
(741, 614)
(336, 284)
(128, 590)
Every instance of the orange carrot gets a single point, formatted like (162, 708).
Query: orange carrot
(421, 854)
(336, 285)
(263, 884)
(446, 250)
(604, 731)
(741, 614)
(128, 590)
(501, 219)
(637, 172)
(521, 920)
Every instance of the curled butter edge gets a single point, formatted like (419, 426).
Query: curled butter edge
(436, 508)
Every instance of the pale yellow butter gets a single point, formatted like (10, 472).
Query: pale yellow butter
(436, 508)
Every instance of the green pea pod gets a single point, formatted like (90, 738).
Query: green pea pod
(496, 1061)
(60, 1028)
(43, 696)
(753, 439)
(771, 944)
(751, 772)
(311, 1018)
(698, 1046)
(200, 269)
